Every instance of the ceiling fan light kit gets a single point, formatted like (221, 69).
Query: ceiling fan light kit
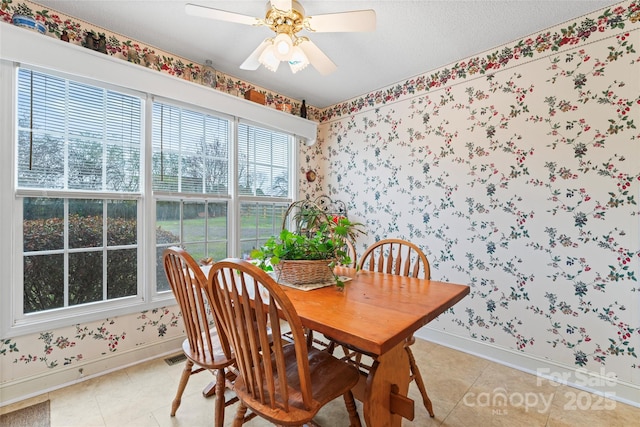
(287, 18)
(269, 59)
(283, 46)
(298, 60)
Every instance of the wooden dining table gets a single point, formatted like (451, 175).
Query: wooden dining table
(376, 313)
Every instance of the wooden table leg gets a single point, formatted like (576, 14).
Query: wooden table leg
(390, 373)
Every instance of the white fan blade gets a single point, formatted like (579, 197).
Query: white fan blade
(342, 22)
(284, 5)
(317, 58)
(252, 62)
(221, 15)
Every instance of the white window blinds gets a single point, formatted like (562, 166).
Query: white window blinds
(263, 161)
(190, 151)
(73, 136)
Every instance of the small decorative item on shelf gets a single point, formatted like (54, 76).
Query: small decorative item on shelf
(91, 41)
(23, 17)
(230, 87)
(151, 59)
(303, 109)
(97, 42)
(284, 107)
(255, 96)
(132, 56)
(208, 74)
(102, 44)
(307, 255)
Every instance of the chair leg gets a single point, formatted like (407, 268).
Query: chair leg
(354, 418)
(331, 347)
(415, 375)
(184, 379)
(220, 400)
(309, 333)
(239, 419)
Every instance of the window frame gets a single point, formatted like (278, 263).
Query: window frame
(110, 73)
(20, 193)
(34, 322)
(182, 197)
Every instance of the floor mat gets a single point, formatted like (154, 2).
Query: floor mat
(37, 415)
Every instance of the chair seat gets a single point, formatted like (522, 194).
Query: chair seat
(325, 387)
(219, 361)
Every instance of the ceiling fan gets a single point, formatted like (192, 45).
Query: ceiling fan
(287, 18)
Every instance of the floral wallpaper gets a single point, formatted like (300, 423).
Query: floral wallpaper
(550, 41)
(73, 30)
(30, 355)
(517, 172)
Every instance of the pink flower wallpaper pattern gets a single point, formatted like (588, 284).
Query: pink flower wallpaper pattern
(516, 171)
(518, 175)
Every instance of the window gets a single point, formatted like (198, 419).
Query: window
(264, 159)
(263, 163)
(72, 136)
(78, 179)
(78, 251)
(190, 151)
(94, 206)
(200, 226)
(258, 222)
(191, 183)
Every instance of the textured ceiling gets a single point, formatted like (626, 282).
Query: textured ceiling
(412, 37)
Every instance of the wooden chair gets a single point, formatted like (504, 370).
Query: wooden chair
(204, 347)
(396, 256)
(290, 383)
(403, 258)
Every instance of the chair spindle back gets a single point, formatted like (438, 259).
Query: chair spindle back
(396, 256)
(249, 305)
(188, 284)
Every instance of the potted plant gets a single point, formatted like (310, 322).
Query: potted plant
(311, 249)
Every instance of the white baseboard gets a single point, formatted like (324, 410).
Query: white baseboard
(25, 388)
(599, 383)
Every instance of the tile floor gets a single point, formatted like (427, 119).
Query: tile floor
(462, 388)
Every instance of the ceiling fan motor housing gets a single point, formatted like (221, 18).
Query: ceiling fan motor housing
(285, 21)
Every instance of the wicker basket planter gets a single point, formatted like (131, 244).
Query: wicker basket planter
(304, 272)
(317, 232)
